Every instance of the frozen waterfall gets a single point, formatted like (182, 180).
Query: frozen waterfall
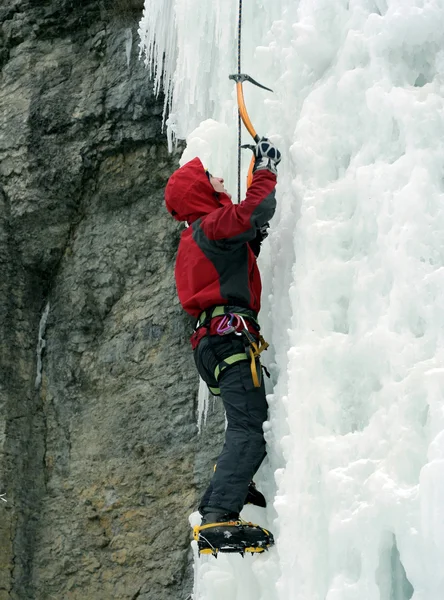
(353, 273)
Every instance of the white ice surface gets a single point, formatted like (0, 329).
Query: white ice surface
(353, 274)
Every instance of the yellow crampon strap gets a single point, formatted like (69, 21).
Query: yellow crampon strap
(255, 351)
(198, 528)
(215, 550)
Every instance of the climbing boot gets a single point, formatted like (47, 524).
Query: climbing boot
(225, 532)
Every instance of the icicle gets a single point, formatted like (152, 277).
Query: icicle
(41, 343)
(158, 43)
(171, 131)
(202, 404)
(187, 65)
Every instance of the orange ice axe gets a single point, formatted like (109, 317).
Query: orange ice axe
(239, 79)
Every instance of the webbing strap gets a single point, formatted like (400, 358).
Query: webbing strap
(218, 311)
(253, 348)
(254, 374)
(255, 351)
(227, 362)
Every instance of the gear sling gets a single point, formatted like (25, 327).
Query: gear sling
(233, 319)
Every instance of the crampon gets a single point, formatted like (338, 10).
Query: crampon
(232, 537)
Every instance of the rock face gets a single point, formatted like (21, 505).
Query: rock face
(100, 459)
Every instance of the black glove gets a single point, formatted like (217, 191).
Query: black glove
(267, 156)
(261, 234)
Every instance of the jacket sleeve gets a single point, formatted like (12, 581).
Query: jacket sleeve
(238, 224)
(261, 235)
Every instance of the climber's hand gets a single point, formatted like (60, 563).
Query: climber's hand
(267, 156)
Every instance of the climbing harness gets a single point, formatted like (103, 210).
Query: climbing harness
(233, 321)
(243, 116)
(253, 349)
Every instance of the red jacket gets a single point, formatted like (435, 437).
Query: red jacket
(215, 264)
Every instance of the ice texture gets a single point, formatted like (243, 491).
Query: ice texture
(353, 274)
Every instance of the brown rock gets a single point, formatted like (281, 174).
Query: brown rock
(100, 457)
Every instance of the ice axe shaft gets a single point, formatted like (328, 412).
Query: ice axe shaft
(239, 78)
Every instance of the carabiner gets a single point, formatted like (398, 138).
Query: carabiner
(226, 326)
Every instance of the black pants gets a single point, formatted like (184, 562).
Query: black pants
(246, 410)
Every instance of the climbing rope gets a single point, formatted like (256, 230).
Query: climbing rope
(239, 119)
(243, 117)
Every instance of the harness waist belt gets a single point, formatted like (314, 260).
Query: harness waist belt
(224, 309)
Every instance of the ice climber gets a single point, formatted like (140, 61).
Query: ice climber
(218, 282)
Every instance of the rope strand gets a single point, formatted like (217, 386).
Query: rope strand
(239, 121)
(239, 39)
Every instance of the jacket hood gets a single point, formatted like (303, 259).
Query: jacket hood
(190, 195)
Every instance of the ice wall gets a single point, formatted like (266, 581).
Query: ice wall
(353, 279)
